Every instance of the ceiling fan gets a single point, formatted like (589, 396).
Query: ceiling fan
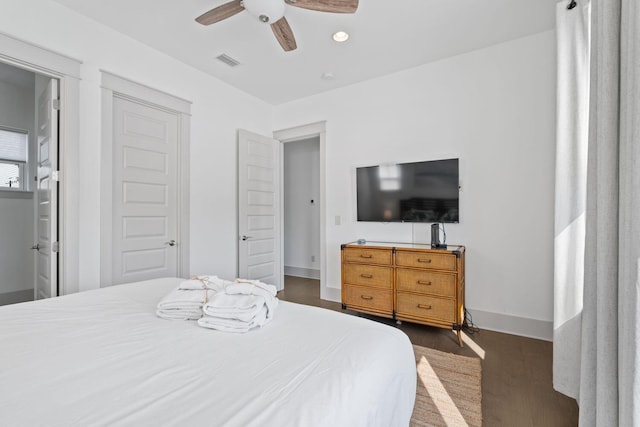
(272, 12)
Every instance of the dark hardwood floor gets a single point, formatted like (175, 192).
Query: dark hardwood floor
(516, 371)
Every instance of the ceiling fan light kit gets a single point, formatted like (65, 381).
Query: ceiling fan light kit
(272, 12)
(267, 11)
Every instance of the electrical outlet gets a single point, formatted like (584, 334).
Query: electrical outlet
(337, 222)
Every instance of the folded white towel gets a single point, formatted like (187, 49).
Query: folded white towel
(235, 325)
(240, 307)
(257, 283)
(182, 314)
(183, 304)
(204, 282)
(244, 288)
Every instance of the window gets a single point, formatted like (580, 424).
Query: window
(13, 159)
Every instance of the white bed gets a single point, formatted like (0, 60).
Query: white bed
(104, 358)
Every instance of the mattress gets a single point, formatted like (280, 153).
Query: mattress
(103, 358)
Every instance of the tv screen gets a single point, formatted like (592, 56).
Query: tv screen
(408, 192)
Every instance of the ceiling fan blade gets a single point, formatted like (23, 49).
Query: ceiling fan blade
(335, 6)
(221, 12)
(283, 33)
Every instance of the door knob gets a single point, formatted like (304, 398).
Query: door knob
(171, 243)
(246, 237)
(36, 247)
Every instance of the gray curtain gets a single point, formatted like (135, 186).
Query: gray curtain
(572, 135)
(608, 345)
(609, 373)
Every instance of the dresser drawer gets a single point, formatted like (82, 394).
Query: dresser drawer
(426, 260)
(368, 255)
(372, 298)
(368, 275)
(426, 282)
(427, 307)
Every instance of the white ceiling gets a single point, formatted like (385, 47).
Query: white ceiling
(386, 36)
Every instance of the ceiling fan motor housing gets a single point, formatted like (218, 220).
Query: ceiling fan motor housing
(267, 11)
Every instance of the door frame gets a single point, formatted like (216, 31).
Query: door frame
(114, 85)
(52, 64)
(317, 129)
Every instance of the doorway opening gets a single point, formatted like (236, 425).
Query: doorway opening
(28, 185)
(301, 210)
(294, 135)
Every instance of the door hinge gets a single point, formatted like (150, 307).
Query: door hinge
(56, 104)
(56, 176)
(55, 247)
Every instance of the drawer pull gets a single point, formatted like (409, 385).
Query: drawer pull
(427, 260)
(367, 276)
(367, 297)
(366, 256)
(422, 282)
(426, 307)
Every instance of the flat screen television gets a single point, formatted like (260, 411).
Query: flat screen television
(409, 192)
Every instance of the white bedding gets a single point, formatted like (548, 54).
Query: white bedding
(104, 358)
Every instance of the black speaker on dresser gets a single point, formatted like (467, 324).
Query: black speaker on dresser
(435, 237)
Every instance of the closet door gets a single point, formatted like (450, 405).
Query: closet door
(145, 181)
(47, 193)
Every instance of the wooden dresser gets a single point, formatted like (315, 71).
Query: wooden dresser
(405, 281)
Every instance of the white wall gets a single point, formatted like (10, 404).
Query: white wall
(17, 110)
(218, 111)
(495, 110)
(301, 217)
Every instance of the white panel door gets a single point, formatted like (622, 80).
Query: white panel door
(47, 194)
(145, 211)
(259, 253)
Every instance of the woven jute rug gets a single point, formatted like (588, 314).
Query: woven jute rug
(449, 389)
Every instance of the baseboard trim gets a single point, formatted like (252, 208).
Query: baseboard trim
(16, 297)
(498, 322)
(515, 325)
(308, 273)
(331, 294)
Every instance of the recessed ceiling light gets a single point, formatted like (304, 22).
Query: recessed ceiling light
(328, 76)
(341, 36)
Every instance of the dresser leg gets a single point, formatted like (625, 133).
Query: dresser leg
(460, 338)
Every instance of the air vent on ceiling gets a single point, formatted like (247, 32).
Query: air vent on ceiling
(227, 60)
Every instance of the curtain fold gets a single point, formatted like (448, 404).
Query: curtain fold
(629, 234)
(598, 399)
(572, 132)
(608, 346)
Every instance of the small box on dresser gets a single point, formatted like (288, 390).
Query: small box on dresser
(405, 281)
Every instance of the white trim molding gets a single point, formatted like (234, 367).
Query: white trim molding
(43, 61)
(297, 133)
(141, 92)
(510, 324)
(498, 322)
(114, 85)
(308, 273)
(27, 55)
